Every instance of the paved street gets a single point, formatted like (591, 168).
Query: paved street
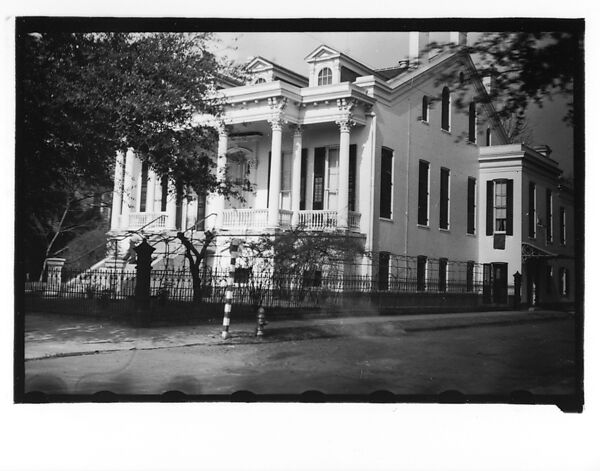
(476, 353)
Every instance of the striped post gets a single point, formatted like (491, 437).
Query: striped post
(233, 251)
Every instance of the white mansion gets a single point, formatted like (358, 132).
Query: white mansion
(383, 154)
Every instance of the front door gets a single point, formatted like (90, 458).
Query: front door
(500, 282)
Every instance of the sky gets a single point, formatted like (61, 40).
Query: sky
(385, 49)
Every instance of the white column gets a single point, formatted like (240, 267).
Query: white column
(343, 184)
(117, 201)
(219, 200)
(296, 170)
(151, 192)
(275, 176)
(171, 206)
(128, 188)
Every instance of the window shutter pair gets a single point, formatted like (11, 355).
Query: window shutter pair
(489, 220)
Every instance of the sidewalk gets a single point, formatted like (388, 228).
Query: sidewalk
(54, 335)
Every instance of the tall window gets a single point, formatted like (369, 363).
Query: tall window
(423, 209)
(442, 274)
(446, 109)
(499, 207)
(425, 109)
(549, 222)
(473, 122)
(563, 225)
(325, 76)
(352, 179)
(549, 279)
(471, 201)
(319, 178)
(421, 272)
(444, 198)
(144, 187)
(384, 271)
(532, 216)
(385, 197)
(488, 137)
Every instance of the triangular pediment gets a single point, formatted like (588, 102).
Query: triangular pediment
(258, 64)
(322, 52)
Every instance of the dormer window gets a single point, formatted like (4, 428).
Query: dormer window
(325, 77)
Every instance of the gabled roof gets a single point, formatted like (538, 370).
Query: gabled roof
(326, 52)
(259, 64)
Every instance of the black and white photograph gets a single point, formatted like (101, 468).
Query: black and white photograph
(236, 210)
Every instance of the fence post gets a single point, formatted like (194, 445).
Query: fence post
(142, 280)
(54, 276)
(517, 296)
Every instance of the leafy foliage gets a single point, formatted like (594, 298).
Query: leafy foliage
(83, 97)
(524, 67)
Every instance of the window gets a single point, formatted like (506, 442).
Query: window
(423, 209)
(473, 122)
(461, 78)
(385, 196)
(384, 271)
(164, 185)
(325, 76)
(260, 80)
(488, 137)
(563, 225)
(471, 201)
(421, 272)
(319, 178)
(470, 270)
(532, 216)
(499, 207)
(442, 274)
(564, 282)
(446, 109)
(144, 187)
(425, 109)
(549, 216)
(444, 198)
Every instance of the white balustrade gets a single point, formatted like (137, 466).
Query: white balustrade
(245, 218)
(310, 220)
(147, 221)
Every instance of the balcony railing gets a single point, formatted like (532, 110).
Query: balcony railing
(313, 220)
(147, 221)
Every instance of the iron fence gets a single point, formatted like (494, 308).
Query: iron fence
(389, 280)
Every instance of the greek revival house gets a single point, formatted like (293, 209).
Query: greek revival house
(384, 155)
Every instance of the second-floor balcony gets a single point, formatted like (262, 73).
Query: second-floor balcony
(310, 220)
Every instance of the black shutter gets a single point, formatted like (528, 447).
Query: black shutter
(489, 212)
(319, 178)
(509, 207)
(444, 181)
(385, 184)
(423, 209)
(303, 179)
(352, 179)
(471, 206)
(531, 212)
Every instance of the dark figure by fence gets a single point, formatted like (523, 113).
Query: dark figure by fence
(142, 283)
